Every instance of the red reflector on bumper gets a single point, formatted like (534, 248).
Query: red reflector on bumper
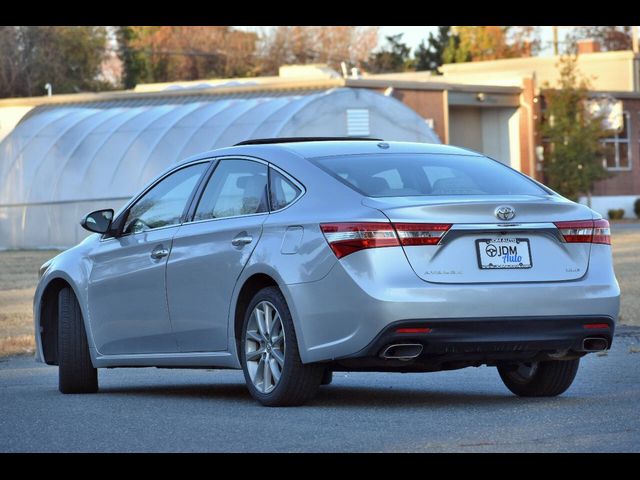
(595, 325)
(413, 330)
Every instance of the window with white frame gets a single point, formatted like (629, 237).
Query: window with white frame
(617, 154)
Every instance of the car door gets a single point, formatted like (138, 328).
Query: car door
(127, 295)
(210, 252)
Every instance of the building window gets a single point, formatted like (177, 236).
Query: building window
(617, 154)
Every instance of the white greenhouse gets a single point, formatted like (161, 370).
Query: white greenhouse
(63, 160)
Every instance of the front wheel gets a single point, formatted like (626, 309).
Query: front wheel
(539, 379)
(273, 370)
(76, 374)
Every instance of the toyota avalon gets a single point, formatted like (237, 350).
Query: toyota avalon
(294, 258)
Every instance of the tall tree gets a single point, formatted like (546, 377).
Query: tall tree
(574, 159)
(610, 38)
(67, 57)
(169, 53)
(491, 43)
(315, 44)
(394, 56)
(429, 56)
(134, 64)
(455, 51)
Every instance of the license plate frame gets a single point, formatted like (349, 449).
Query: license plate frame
(506, 241)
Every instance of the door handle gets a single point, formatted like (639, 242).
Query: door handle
(159, 252)
(241, 240)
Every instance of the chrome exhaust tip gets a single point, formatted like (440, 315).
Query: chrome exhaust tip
(402, 351)
(594, 344)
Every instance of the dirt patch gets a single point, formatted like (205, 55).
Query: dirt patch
(19, 268)
(626, 262)
(18, 278)
(20, 345)
(16, 311)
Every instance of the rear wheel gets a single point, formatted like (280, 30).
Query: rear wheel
(274, 373)
(75, 371)
(539, 379)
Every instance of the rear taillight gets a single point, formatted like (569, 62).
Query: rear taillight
(421, 233)
(601, 232)
(346, 238)
(585, 231)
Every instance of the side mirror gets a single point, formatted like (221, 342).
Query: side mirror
(98, 221)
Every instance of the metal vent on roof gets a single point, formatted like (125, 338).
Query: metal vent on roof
(358, 122)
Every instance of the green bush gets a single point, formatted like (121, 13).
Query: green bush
(616, 214)
(636, 207)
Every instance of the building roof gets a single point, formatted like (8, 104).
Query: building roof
(260, 86)
(607, 71)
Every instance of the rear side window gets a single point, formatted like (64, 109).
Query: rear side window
(403, 175)
(283, 191)
(237, 187)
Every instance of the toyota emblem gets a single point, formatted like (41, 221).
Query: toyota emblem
(505, 212)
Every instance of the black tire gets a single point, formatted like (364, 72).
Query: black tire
(327, 377)
(298, 382)
(75, 371)
(548, 379)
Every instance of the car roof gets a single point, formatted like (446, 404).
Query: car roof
(331, 148)
(316, 149)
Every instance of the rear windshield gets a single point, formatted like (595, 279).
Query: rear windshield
(404, 175)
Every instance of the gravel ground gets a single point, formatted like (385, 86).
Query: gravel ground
(18, 277)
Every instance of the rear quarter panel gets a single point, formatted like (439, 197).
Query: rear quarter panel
(292, 249)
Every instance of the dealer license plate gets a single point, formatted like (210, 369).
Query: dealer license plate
(503, 252)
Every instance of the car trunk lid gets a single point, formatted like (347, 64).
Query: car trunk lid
(473, 248)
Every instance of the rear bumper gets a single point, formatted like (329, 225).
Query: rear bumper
(492, 338)
(368, 292)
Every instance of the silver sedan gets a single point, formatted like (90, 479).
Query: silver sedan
(294, 259)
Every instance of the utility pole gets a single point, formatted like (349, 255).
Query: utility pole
(555, 40)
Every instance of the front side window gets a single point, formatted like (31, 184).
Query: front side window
(237, 187)
(616, 147)
(164, 204)
(283, 191)
(403, 175)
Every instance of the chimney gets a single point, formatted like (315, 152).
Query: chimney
(588, 45)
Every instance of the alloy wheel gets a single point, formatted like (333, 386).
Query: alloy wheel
(264, 347)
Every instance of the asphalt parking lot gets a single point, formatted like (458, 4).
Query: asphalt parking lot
(153, 410)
